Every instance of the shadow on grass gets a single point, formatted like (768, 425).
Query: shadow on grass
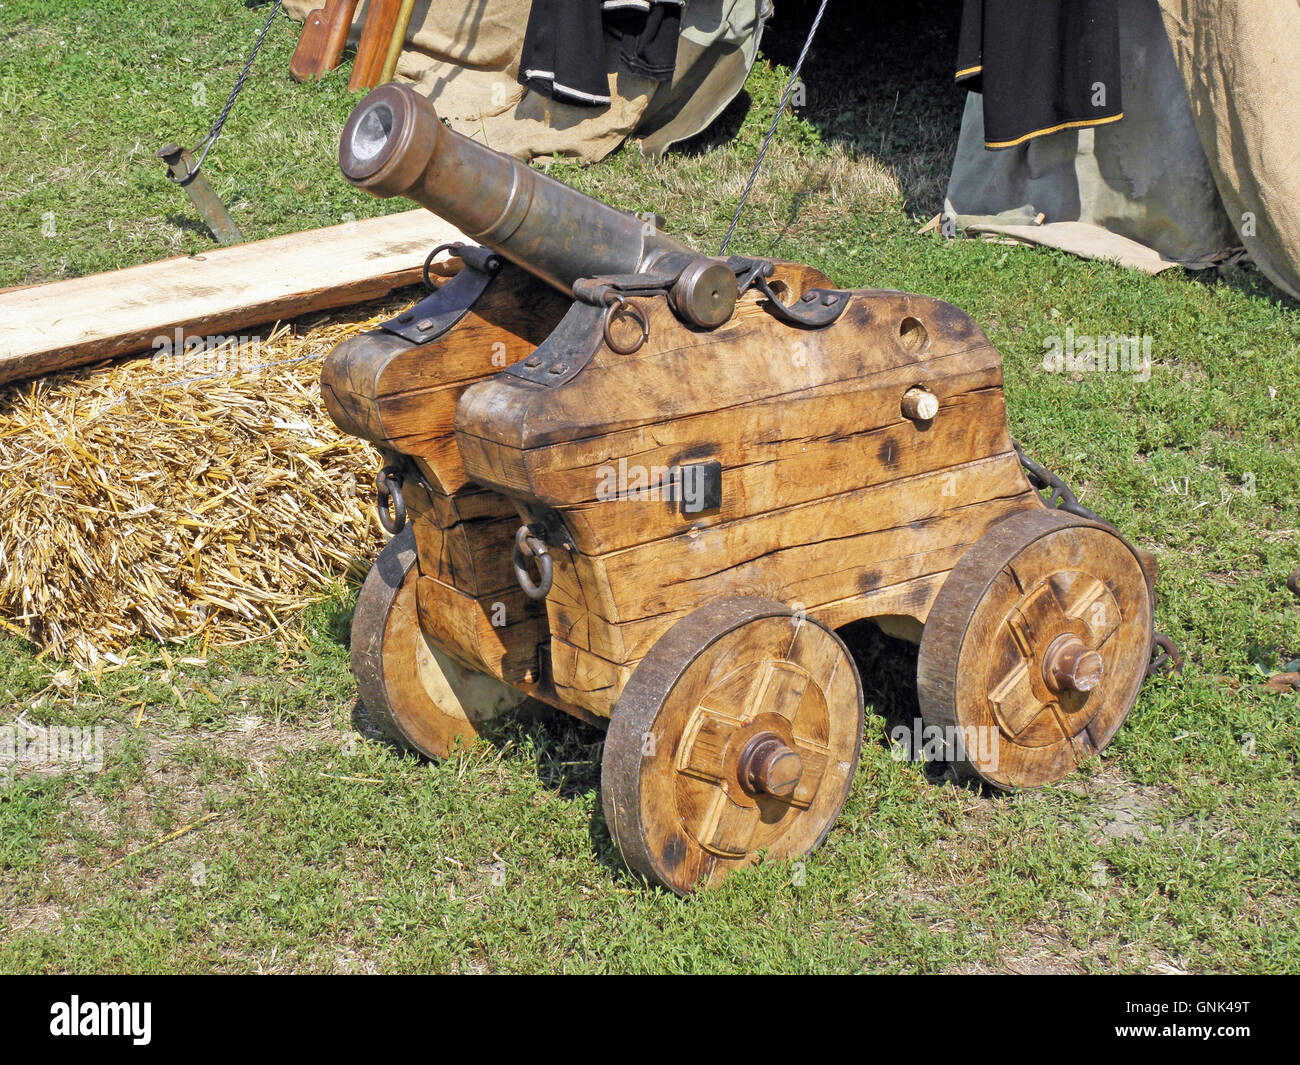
(336, 620)
(882, 86)
(721, 132)
(563, 752)
(888, 669)
(191, 224)
(1246, 279)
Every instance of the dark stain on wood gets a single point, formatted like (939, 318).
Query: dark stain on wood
(887, 453)
(674, 851)
(869, 580)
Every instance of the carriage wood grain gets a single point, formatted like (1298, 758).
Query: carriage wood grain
(865, 471)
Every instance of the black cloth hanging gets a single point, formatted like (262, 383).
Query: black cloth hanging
(563, 56)
(649, 33)
(1041, 66)
(564, 52)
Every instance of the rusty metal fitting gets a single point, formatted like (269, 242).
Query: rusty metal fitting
(768, 766)
(528, 545)
(617, 307)
(1071, 665)
(388, 492)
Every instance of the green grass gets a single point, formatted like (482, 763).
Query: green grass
(331, 852)
(93, 89)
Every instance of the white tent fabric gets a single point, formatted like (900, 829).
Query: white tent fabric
(1205, 161)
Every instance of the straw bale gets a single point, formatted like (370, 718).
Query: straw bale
(206, 495)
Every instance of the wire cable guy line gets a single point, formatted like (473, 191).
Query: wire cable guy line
(215, 131)
(771, 132)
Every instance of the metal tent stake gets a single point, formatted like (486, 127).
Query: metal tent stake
(180, 168)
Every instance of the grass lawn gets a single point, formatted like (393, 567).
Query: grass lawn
(311, 847)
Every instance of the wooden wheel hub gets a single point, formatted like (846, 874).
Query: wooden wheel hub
(758, 766)
(1043, 666)
(737, 734)
(768, 766)
(1071, 665)
(1036, 647)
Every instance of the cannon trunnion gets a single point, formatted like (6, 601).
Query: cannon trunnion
(619, 508)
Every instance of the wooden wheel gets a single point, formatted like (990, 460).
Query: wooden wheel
(1036, 647)
(418, 695)
(737, 733)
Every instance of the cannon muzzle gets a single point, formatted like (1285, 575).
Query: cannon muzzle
(394, 145)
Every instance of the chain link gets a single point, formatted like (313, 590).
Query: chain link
(771, 131)
(1058, 495)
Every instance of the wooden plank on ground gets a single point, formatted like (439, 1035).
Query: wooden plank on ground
(85, 319)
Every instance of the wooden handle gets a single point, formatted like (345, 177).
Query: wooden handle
(398, 42)
(324, 35)
(376, 36)
(920, 404)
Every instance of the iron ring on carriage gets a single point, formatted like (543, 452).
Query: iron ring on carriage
(453, 246)
(617, 307)
(528, 545)
(388, 491)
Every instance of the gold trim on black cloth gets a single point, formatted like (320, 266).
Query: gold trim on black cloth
(1041, 67)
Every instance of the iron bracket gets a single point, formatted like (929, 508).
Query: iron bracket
(449, 302)
(695, 487)
(562, 355)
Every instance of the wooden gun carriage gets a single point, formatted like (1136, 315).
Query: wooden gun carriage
(646, 487)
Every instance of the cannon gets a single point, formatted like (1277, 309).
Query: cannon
(647, 487)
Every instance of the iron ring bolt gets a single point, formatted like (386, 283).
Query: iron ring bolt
(1169, 660)
(388, 487)
(453, 247)
(617, 307)
(528, 545)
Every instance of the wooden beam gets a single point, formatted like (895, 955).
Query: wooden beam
(85, 319)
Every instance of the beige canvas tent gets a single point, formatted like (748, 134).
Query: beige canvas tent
(464, 54)
(1206, 159)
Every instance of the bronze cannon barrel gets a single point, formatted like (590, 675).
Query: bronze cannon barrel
(395, 145)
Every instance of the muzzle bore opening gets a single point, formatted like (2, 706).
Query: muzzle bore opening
(371, 132)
